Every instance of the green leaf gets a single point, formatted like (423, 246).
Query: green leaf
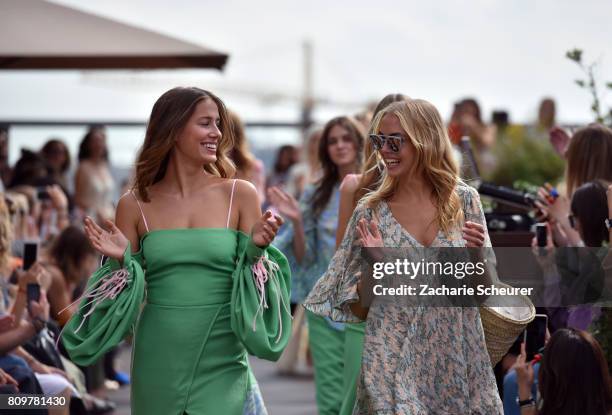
(575, 55)
(580, 83)
(609, 85)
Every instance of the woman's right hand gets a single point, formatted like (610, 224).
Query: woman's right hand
(524, 374)
(111, 244)
(39, 310)
(286, 204)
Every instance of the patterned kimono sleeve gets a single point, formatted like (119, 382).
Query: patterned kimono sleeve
(337, 288)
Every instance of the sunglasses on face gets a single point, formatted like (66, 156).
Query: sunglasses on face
(395, 142)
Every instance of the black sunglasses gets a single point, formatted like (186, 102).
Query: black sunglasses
(395, 142)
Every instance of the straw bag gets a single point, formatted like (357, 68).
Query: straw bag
(503, 323)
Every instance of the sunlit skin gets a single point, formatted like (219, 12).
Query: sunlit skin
(341, 148)
(198, 140)
(412, 204)
(398, 163)
(177, 199)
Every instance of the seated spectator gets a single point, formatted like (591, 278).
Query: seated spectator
(573, 377)
(588, 159)
(71, 260)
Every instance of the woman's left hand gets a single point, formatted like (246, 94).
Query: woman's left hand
(265, 229)
(369, 235)
(473, 234)
(559, 209)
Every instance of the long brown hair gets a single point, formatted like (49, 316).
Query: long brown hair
(425, 129)
(331, 176)
(372, 171)
(574, 377)
(590, 206)
(168, 119)
(589, 156)
(241, 155)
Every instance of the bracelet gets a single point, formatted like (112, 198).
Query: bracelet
(526, 403)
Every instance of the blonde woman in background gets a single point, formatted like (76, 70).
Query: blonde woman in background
(416, 360)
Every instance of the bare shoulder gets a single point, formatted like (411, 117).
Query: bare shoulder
(127, 208)
(350, 183)
(245, 192)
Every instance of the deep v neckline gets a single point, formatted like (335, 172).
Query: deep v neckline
(408, 234)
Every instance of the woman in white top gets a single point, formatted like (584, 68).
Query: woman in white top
(94, 184)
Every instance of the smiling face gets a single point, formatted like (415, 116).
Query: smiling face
(341, 146)
(201, 135)
(398, 163)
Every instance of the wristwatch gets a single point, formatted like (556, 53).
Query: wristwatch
(608, 223)
(526, 402)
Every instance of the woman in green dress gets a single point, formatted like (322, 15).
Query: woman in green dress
(212, 291)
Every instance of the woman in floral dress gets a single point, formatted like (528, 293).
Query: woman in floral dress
(416, 360)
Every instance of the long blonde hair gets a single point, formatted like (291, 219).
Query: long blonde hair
(434, 159)
(372, 172)
(169, 116)
(6, 234)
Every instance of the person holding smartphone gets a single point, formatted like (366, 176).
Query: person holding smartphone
(559, 390)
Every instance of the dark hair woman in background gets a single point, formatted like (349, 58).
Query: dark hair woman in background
(573, 378)
(310, 241)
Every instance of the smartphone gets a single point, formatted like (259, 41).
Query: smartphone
(541, 234)
(30, 254)
(41, 192)
(535, 335)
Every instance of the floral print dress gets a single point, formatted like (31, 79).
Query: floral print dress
(416, 360)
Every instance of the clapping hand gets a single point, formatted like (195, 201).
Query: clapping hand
(369, 235)
(286, 204)
(111, 244)
(473, 234)
(265, 229)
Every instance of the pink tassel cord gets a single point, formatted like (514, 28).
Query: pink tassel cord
(265, 270)
(106, 288)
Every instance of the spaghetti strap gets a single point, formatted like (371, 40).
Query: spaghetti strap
(229, 212)
(144, 220)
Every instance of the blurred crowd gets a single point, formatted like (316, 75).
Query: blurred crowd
(47, 194)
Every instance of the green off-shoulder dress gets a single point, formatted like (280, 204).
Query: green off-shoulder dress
(194, 328)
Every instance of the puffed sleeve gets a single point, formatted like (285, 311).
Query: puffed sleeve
(260, 312)
(107, 311)
(337, 288)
